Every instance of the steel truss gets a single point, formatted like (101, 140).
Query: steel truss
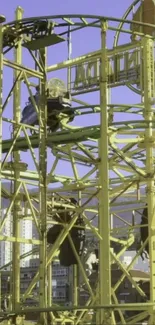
(117, 157)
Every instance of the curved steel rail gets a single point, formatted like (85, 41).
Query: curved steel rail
(15, 29)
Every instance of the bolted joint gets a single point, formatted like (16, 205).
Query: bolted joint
(104, 26)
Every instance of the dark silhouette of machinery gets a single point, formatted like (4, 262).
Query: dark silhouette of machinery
(77, 233)
(58, 106)
(144, 230)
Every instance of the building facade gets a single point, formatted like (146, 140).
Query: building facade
(26, 232)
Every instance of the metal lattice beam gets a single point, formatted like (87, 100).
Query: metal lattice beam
(117, 157)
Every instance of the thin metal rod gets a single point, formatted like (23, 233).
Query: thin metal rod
(69, 43)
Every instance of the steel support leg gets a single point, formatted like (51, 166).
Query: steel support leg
(149, 88)
(1, 104)
(16, 159)
(104, 214)
(43, 190)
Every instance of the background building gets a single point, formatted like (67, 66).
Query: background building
(26, 232)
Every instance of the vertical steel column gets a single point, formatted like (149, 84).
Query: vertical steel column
(43, 189)
(74, 267)
(104, 215)
(76, 273)
(75, 285)
(50, 290)
(1, 104)
(149, 88)
(16, 160)
(49, 279)
(1, 291)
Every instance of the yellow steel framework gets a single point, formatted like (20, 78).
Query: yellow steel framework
(116, 154)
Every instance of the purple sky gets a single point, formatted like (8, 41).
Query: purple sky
(83, 43)
(39, 8)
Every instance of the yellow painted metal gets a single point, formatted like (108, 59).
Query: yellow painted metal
(114, 173)
(149, 86)
(43, 190)
(16, 160)
(1, 104)
(104, 211)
